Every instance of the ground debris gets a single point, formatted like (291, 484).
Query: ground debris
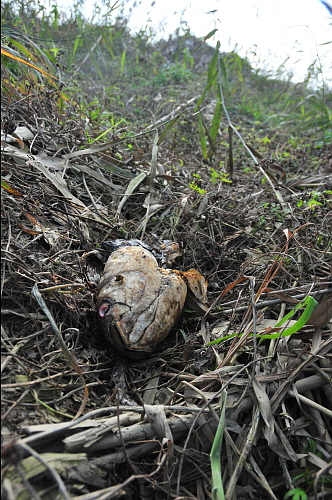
(148, 425)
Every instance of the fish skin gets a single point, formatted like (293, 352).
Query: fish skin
(138, 302)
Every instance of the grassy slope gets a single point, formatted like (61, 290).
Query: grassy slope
(229, 231)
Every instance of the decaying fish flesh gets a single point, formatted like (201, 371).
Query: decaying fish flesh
(138, 302)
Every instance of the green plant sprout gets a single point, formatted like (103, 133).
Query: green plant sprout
(196, 188)
(296, 494)
(309, 303)
(313, 202)
(265, 140)
(219, 176)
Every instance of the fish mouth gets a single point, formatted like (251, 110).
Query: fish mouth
(116, 338)
(121, 346)
(106, 307)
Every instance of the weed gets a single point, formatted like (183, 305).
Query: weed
(315, 199)
(219, 176)
(173, 74)
(193, 185)
(296, 494)
(265, 141)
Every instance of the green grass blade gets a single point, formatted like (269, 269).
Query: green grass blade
(215, 125)
(123, 61)
(169, 126)
(215, 454)
(202, 137)
(309, 303)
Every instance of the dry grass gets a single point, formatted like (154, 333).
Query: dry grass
(147, 428)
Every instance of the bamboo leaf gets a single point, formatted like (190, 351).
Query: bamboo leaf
(212, 75)
(72, 361)
(123, 61)
(167, 128)
(202, 138)
(130, 189)
(23, 50)
(19, 59)
(309, 303)
(215, 125)
(9, 188)
(223, 69)
(209, 35)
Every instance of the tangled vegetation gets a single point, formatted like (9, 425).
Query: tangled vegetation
(108, 135)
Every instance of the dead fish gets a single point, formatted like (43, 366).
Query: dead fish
(138, 302)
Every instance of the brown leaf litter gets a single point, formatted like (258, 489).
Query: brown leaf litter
(145, 428)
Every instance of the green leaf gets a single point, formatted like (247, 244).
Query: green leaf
(209, 35)
(296, 494)
(217, 489)
(167, 128)
(309, 303)
(23, 50)
(223, 69)
(215, 125)
(213, 68)
(312, 203)
(202, 137)
(9, 188)
(123, 61)
(133, 184)
(212, 75)
(265, 140)
(76, 44)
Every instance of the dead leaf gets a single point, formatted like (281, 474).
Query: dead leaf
(159, 423)
(322, 313)
(24, 133)
(266, 412)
